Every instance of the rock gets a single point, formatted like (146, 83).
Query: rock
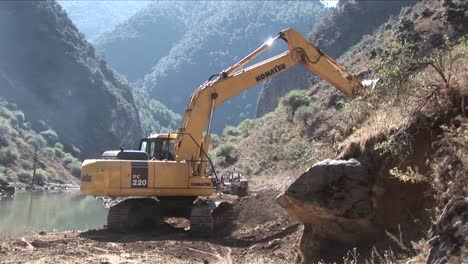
(340, 187)
(333, 199)
(3, 183)
(7, 190)
(449, 235)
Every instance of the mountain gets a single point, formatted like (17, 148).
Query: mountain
(94, 18)
(53, 75)
(170, 48)
(343, 27)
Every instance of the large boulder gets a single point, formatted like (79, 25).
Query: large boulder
(338, 188)
(333, 199)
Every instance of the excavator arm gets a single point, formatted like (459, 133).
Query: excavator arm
(191, 145)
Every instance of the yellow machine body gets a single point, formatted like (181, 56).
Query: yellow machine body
(179, 169)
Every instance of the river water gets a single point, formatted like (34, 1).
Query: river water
(32, 212)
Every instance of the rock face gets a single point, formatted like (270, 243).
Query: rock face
(54, 76)
(333, 199)
(449, 242)
(345, 204)
(334, 34)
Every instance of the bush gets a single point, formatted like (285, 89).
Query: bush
(68, 159)
(37, 141)
(225, 150)
(24, 176)
(295, 99)
(8, 154)
(75, 168)
(50, 136)
(42, 176)
(245, 127)
(48, 153)
(230, 131)
(5, 132)
(303, 113)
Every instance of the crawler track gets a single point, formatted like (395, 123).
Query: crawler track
(134, 214)
(208, 218)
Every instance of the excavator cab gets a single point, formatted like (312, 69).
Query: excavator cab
(159, 146)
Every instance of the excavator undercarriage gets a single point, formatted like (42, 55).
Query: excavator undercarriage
(206, 217)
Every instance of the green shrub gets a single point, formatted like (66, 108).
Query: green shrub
(59, 153)
(246, 127)
(74, 168)
(8, 154)
(26, 164)
(58, 145)
(231, 131)
(48, 153)
(304, 112)
(295, 99)
(225, 150)
(68, 159)
(50, 136)
(37, 141)
(42, 176)
(24, 176)
(5, 132)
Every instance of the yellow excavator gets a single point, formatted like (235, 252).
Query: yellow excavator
(167, 176)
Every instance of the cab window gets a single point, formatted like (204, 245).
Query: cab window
(160, 148)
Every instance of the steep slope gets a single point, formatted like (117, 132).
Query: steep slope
(94, 18)
(18, 145)
(409, 133)
(198, 40)
(54, 76)
(337, 32)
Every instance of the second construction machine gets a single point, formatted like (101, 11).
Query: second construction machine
(167, 176)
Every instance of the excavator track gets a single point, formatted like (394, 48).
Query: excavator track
(133, 214)
(209, 218)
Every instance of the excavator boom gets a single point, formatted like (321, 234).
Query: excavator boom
(237, 79)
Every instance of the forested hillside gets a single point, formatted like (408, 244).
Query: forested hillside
(54, 76)
(25, 152)
(94, 18)
(170, 48)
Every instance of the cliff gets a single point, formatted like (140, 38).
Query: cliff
(54, 76)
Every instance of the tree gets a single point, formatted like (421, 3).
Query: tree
(38, 143)
(295, 99)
